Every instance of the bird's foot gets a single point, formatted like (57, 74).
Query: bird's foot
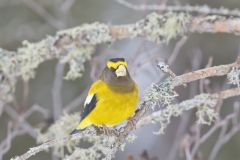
(132, 122)
(106, 130)
(137, 110)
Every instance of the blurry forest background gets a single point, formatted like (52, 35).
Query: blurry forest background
(52, 96)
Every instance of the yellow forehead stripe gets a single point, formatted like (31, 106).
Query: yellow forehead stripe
(115, 65)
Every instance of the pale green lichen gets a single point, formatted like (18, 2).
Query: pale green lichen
(161, 27)
(204, 103)
(76, 57)
(234, 76)
(60, 129)
(83, 154)
(7, 89)
(7, 74)
(31, 55)
(131, 138)
(8, 62)
(90, 34)
(75, 46)
(166, 69)
(164, 119)
(160, 95)
(99, 146)
(27, 58)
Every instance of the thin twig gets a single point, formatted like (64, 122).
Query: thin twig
(49, 144)
(201, 82)
(76, 102)
(109, 33)
(195, 63)
(196, 24)
(185, 78)
(222, 95)
(176, 50)
(25, 95)
(174, 55)
(178, 8)
(5, 145)
(56, 91)
(224, 136)
(67, 5)
(210, 132)
(18, 118)
(44, 14)
(204, 73)
(121, 135)
(35, 108)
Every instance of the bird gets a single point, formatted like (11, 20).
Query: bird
(111, 99)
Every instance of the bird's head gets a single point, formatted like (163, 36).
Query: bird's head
(118, 66)
(116, 73)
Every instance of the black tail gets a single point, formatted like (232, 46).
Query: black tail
(76, 131)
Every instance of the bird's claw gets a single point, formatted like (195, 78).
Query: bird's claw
(132, 122)
(106, 130)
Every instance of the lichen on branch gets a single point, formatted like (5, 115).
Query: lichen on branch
(76, 46)
(161, 28)
(234, 76)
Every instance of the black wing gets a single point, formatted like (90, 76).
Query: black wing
(89, 106)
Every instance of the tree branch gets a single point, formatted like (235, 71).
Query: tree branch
(206, 72)
(178, 8)
(124, 131)
(56, 91)
(43, 13)
(75, 46)
(85, 37)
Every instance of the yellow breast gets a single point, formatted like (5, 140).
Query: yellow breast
(112, 107)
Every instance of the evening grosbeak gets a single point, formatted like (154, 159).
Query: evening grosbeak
(112, 98)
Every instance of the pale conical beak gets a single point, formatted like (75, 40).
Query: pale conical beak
(121, 71)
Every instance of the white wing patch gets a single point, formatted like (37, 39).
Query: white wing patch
(88, 99)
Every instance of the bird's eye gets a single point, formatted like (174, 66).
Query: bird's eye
(112, 69)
